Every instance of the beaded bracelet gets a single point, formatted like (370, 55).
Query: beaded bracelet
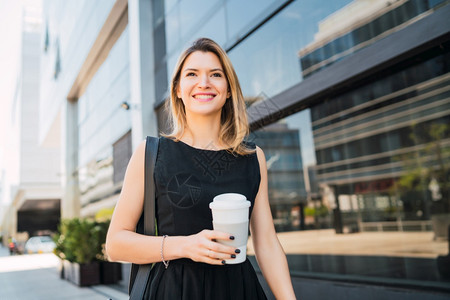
(166, 263)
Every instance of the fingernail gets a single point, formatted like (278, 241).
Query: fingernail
(237, 251)
(233, 255)
(231, 237)
(223, 262)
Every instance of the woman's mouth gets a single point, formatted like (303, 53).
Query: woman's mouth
(204, 97)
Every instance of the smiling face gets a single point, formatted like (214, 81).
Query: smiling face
(203, 86)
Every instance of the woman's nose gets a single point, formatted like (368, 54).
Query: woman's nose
(203, 81)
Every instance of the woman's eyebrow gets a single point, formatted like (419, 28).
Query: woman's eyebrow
(212, 70)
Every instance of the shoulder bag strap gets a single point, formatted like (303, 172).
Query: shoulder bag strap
(151, 151)
(138, 284)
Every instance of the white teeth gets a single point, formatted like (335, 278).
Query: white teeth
(203, 96)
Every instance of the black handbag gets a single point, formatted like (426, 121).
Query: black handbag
(147, 222)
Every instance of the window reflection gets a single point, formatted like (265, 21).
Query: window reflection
(172, 29)
(343, 174)
(287, 191)
(242, 14)
(315, 36)
(281, 68)
(213, 28)
(342, 33)
(169, 5)
(194, 13)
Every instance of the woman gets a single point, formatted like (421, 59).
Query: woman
(205, 155)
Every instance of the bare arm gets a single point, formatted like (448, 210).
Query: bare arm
(124, 244)
(269, 252)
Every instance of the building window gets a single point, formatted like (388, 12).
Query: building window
(57, 61)
(122, 151)
(47, 38)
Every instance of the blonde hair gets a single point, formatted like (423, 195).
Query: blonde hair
(233, 122)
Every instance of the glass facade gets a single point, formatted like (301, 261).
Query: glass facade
(309, 24)
(335, 41)
(375, 164)
(372, 160)
(178, 23)
(287, 191)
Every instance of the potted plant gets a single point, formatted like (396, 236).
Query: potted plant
(78, 242)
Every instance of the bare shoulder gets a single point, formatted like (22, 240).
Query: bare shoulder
(138, 156)
(260, 155)
(140, 149)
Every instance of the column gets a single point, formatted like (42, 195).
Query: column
(70, 203)
(142, 82)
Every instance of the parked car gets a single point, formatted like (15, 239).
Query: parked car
(39, 244)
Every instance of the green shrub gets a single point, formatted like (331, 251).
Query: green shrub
(80, 240)
(321, 211)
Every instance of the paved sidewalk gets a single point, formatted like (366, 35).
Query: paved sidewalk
(36, 277)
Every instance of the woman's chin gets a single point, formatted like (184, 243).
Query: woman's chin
(204, 111)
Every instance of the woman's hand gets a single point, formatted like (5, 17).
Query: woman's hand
(203, 247)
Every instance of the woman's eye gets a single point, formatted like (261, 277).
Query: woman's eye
(217, 75)
(190, 74)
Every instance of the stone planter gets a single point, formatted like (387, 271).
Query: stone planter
(82, 274)
(61, 268)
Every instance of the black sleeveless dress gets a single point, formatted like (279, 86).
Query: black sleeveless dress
(186, 180)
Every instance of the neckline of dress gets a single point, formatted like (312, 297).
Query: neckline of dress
(195, 148)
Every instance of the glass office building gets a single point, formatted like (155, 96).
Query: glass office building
(350, 102)
(365, 154)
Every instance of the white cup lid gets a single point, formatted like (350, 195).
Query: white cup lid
(229, 201)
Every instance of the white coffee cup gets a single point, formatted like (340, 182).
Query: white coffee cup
(230, 214)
